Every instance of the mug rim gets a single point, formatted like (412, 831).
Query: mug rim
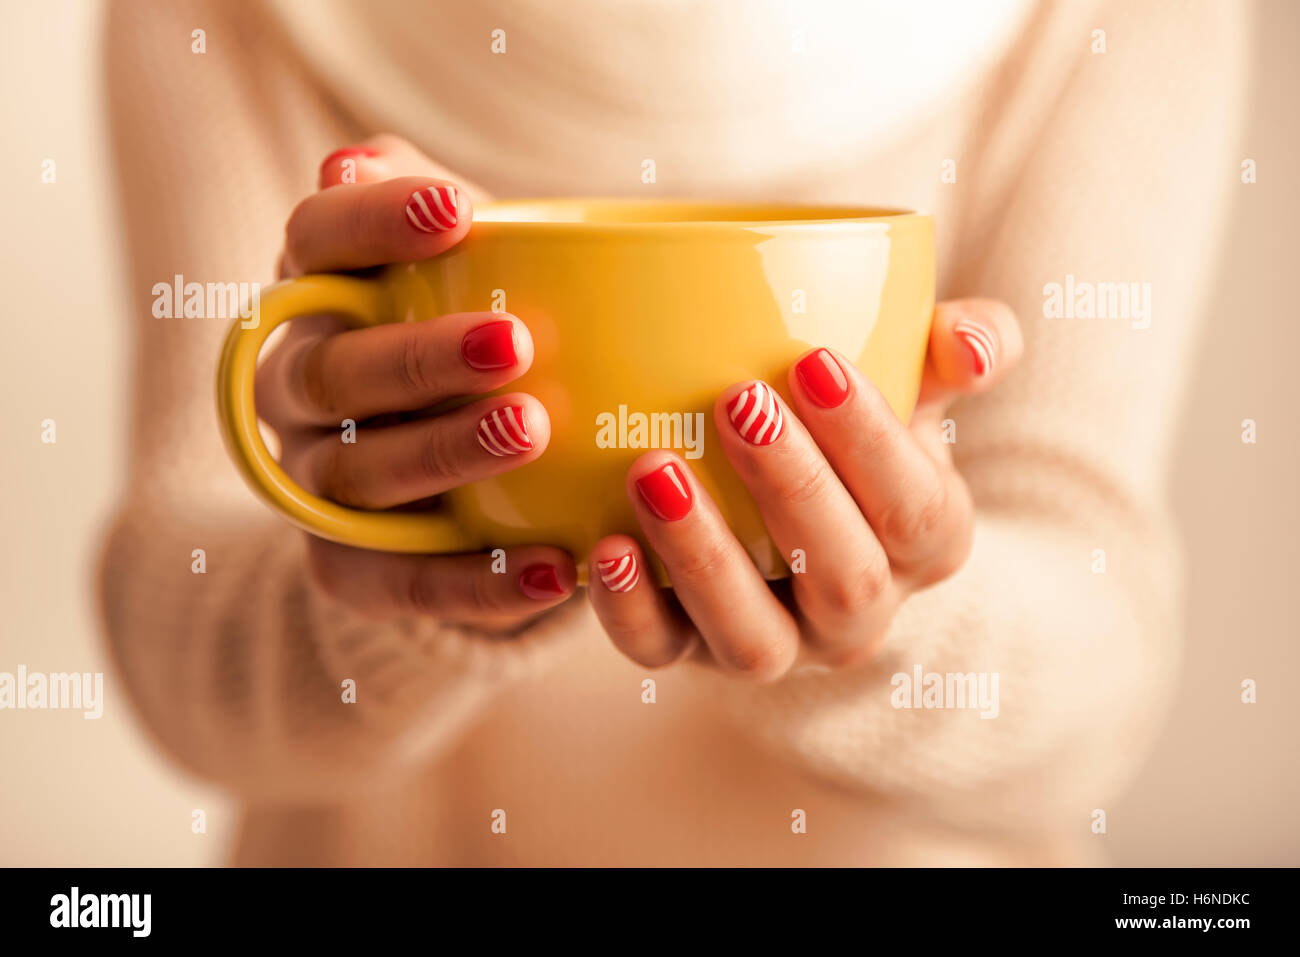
(801, 214)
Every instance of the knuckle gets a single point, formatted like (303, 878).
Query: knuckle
(434, 464)
(906, 521)
(269, 390)
(336, 475)
(484, 596)
(645, 645)
(313, 384)
(417, 365)
(855, 593)
(807, 487)
(358, 222)
(949, 560)
(762, 662)
(704, 563)
(424, 591)
(848, 654)
(876, 436)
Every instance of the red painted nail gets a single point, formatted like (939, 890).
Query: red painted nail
(979, 342)
(347, 152)
(504, 432)
(490, 346)
(433, 209)
(541, 582)
(667, 492)
(756, 415)
(823, 379)
(619, 574)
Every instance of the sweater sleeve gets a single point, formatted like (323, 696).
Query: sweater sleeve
(1114, 167)
(233, 660)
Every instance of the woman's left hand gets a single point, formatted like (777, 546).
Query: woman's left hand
(876, 507)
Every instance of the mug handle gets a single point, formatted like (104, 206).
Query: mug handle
(359, 302)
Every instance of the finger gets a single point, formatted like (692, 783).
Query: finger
(896, 484)
(845, 592)
(399, 367)
(634, 612)
(466, 589)
(398, 220)
(746, 628)
(354, 164)
(385, 156)
(398, 464)
(276, 389)
(973, 344)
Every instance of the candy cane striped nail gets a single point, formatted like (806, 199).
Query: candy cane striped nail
(620, 574)
(502, 431)
(980, 343)
(432, 209)
(756, 415)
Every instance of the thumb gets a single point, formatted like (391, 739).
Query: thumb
(973, 344)
(385, 156)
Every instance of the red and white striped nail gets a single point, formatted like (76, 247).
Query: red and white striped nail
(980, 343)
(502, 431)
(433, 209)
(756, 414)
(620, 574)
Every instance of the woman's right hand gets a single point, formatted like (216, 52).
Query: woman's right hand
(383, 201)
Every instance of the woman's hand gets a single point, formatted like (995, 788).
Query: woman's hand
(876, 507)
(381, 202)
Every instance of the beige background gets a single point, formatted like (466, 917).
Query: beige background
(1221, 787)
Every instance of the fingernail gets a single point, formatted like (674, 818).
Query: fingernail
(666, 492)
(541, 582)
(756, 415)
(979, 342)
(502, 431)
(823, 379)
(490, 346)
(346, 152)
(433, 209)
(619, 574)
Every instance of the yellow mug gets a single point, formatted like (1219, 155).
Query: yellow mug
(641, 313)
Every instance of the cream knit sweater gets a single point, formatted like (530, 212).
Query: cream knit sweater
(1107, 167)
